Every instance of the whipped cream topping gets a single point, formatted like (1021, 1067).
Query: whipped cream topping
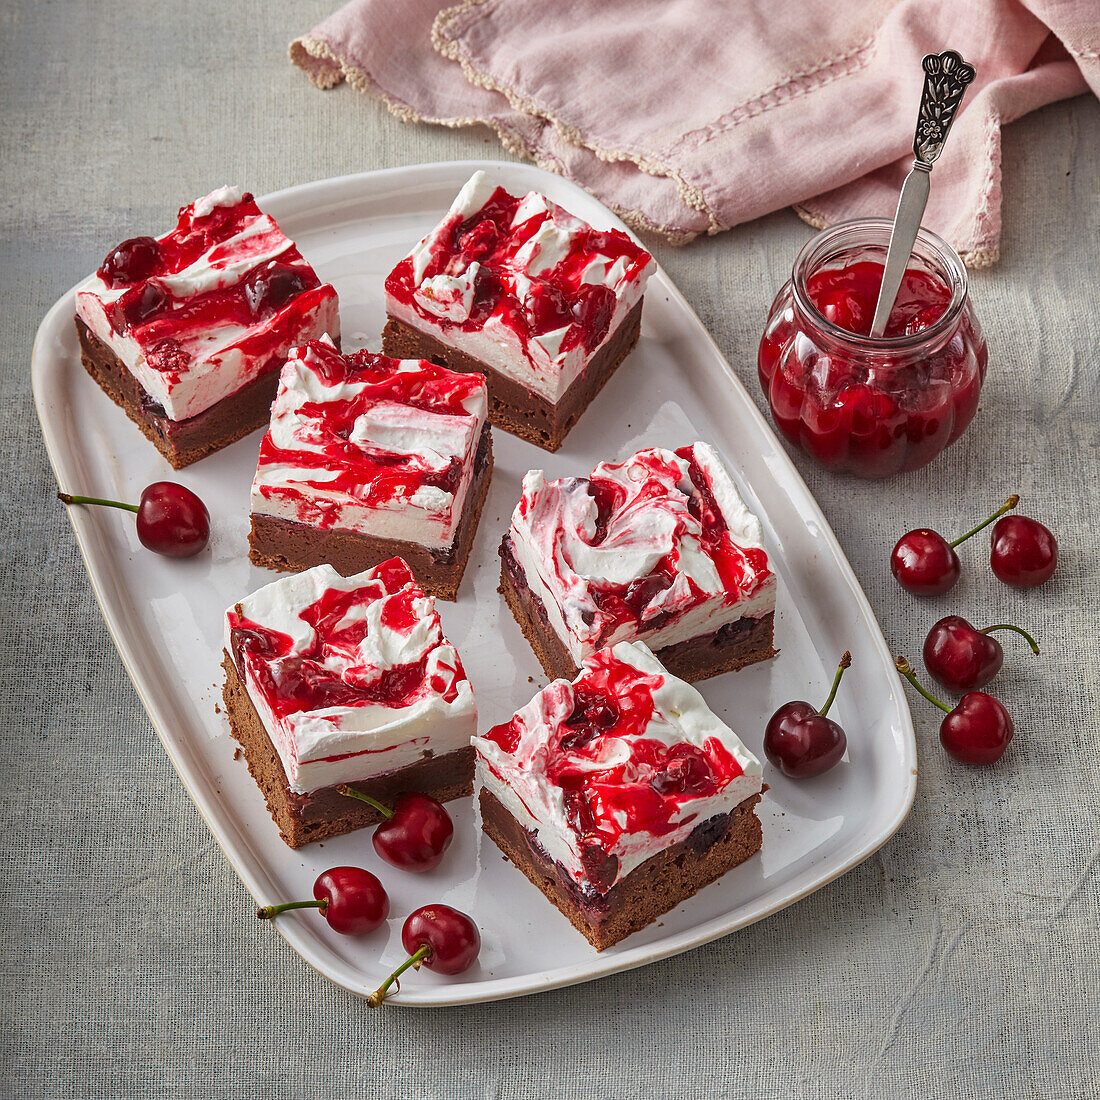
(225, 298)
(615, 767)
(520, 284)
(351, 677)
(369, 444)
(660, 548)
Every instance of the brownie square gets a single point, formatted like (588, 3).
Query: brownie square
(519, 290)
(186, 332)
(658, 548)
(331, 681)
(368, 458)
(618, 795)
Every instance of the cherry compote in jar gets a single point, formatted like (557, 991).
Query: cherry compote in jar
(862, 405)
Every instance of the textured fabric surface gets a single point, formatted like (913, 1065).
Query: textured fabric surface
(961, 960)
(694, 115)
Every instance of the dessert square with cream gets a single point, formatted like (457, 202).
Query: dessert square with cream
(659, 548)
(522, 291)
(187, 331)
(346, 680)
(369, 457)
(619, 794)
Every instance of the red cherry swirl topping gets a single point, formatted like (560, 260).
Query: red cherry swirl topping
(167, 283)
(330, 670)
(313, 443)
(523, 296)
(621, 764)
(657, 507)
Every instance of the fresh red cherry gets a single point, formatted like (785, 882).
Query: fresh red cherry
(416, 832)
(171, 520)
(450, 937)
(800, 741)
(925, 563)
(438, 937)
(130, 261)
(351, 899)
(977, 729)
(1024, 553)
(963, 658)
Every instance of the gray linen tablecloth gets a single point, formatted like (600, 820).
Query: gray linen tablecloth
(961, 960)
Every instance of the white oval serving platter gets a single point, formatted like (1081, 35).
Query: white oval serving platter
(166, 617)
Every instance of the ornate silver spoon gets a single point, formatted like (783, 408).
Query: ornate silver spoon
(946, 76)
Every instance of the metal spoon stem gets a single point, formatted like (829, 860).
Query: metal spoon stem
(946, 77)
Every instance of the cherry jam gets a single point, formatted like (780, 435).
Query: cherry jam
(867, 406)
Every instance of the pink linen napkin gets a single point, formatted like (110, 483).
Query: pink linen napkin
(692, 116)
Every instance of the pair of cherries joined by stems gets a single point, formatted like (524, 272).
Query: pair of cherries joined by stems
(977, 729)
(171, 520)
(1023, 554)
(414, 835)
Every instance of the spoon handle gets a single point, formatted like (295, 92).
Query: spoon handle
(946, 77)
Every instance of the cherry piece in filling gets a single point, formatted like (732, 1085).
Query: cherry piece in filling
(131, 261)
(136, 306)
(963, 658)
(802, 742)
(977, 729)
(171, 520)
(268, 289)
(847, 296)
(351, 899)
(416, 832)
(546, 308)
(1024, 553)
(438, 937)
(925, 563)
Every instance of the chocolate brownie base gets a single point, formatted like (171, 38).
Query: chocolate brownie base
(180, 441)
(512, 406)
(325, 813)
(655, 887)
(285, 545)
(732, 646)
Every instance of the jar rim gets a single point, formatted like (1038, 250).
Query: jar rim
(929, 246)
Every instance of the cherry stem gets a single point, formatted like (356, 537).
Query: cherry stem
(845, 662)
(351, 792)
(65, 498)
(414, 960)
(1019, 630)
(1006, 507)
(269, 912)
(904, 668)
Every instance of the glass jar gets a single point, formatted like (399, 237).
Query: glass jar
(872, 406)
